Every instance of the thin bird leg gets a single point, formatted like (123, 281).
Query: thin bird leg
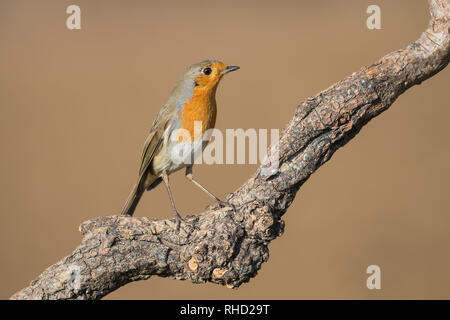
(190, 177)
(165, 178)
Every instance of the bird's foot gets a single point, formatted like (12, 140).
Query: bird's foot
(181, 221)
(222, 204)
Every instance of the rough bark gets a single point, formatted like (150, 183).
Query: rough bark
(224, 245)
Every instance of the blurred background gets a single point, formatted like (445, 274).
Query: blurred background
(76, 105)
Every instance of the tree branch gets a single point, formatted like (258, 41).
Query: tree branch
(224, 245)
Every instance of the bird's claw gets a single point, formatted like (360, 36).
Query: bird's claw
(179, 220)
(222, 204)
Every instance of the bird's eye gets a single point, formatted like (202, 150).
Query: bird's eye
(207, 71)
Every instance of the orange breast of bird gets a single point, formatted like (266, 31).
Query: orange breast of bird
(200, 107)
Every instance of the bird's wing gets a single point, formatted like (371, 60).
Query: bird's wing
(155, 138)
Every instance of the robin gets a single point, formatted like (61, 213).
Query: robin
(192, 102)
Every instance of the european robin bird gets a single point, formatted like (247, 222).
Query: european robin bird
(192, 102)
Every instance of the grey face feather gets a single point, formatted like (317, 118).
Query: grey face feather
(184, 88)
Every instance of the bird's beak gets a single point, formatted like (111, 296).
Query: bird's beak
(229, 69)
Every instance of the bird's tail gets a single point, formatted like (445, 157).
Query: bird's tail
(147, 183)
(133, 200)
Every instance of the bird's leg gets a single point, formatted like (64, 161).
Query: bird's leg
(190, 177)
(178, 218)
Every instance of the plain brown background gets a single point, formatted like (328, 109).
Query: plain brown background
(75, 107)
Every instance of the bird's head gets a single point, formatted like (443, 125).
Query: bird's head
(205, 75)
